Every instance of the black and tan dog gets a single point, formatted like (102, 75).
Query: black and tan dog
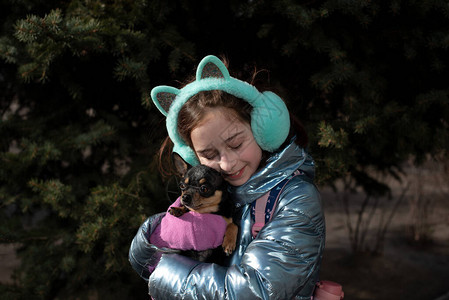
(204, 190)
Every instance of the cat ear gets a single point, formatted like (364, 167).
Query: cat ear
(163, 97)
(211, 66)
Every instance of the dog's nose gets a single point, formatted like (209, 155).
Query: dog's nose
(186, 199)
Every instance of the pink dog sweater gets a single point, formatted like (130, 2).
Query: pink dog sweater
(191, 231)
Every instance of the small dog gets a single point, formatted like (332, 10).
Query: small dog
(203, 190)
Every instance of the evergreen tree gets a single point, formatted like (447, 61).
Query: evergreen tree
(79, 133)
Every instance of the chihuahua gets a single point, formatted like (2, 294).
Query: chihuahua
(203, 190)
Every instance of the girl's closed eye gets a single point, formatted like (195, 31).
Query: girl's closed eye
(235, 146)
(235, 142)
(208, 154)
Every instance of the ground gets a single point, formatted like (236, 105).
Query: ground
(406, 269)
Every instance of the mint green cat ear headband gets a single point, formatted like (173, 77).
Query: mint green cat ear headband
(270, 120)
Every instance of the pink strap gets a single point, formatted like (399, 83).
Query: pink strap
(261, 203)
(259, 214)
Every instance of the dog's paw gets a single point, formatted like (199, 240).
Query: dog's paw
(176, 211)
(230, 239)
(228, 248)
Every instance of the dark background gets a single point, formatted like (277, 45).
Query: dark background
(79, 134)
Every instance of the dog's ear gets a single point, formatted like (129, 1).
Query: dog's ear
(181, 165)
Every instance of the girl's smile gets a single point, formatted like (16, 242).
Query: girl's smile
(225, 143)
(234, 176)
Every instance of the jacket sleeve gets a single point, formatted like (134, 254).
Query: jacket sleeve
(144, 256)
(281, 263)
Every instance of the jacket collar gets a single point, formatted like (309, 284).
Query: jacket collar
(279, 166)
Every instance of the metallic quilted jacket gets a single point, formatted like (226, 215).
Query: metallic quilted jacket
(281, 262)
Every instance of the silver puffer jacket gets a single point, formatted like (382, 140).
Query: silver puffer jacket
(282, 262)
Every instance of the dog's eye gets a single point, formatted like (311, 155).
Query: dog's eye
(182, 186)
(204, 189)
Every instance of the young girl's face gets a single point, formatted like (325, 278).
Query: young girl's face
(226, 144)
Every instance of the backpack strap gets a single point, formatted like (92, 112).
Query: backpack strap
(262, 209)
(258, 214)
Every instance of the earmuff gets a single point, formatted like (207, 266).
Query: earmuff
(270, 120)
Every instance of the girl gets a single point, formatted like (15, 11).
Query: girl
(227, 124)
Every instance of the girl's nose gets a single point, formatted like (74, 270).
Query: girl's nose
(227, 162)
